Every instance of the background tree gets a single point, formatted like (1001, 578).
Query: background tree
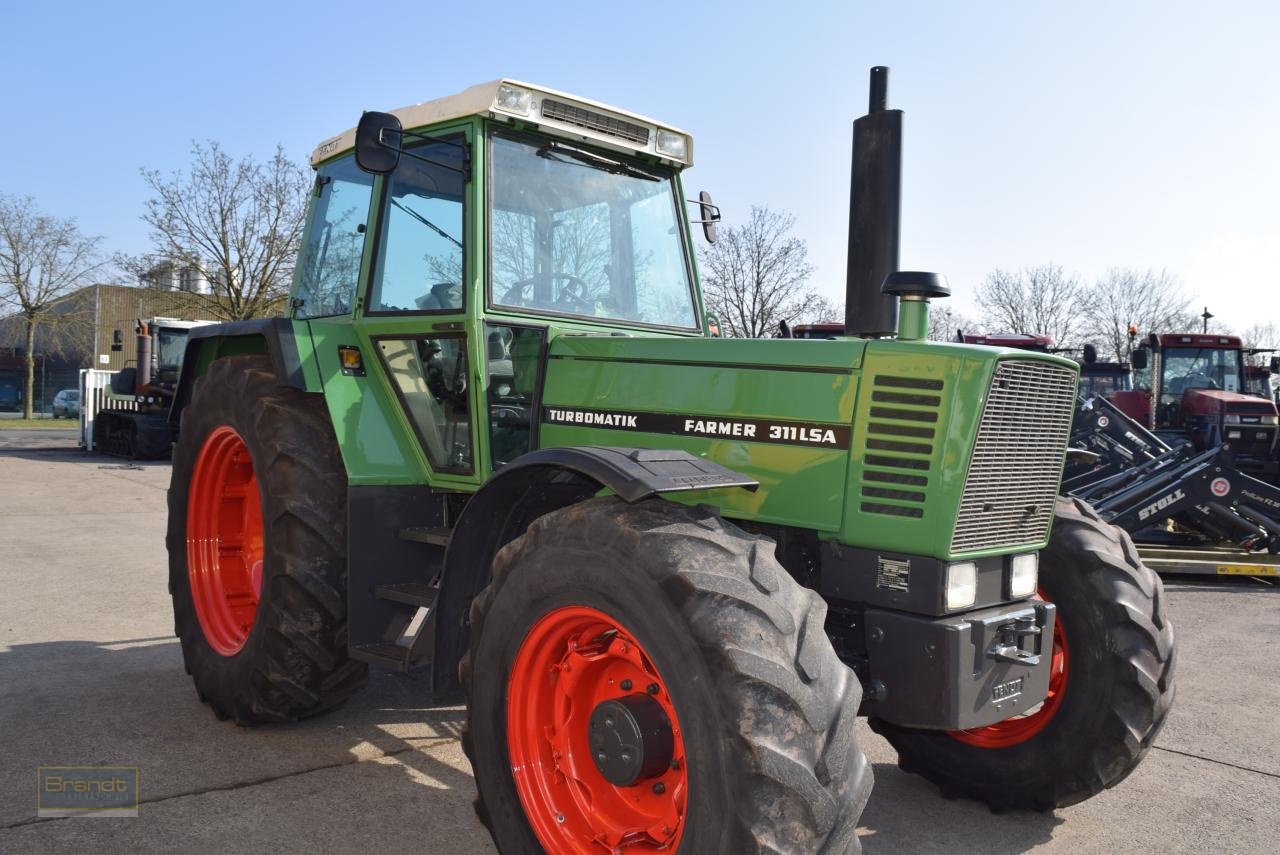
(238, 224)
(756, 275)
(42, 260)
(945, 321)
(1041, 300)
(1261, 335)
(1152, 301)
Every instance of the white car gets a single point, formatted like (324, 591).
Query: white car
(66, 404)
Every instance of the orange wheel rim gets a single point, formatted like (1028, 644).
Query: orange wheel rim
(574, 668)
(1017, 730)
(224, 540)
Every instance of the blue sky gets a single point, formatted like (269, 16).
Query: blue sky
(1091, 134)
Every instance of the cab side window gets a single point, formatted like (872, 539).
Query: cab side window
(513, 357)
(419, 261)
(431, 380)
(329, 260)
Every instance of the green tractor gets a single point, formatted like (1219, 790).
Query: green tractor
(496, 441)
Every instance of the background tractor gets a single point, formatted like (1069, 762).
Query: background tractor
(496, 441)
(143, 429)
(1189, 387)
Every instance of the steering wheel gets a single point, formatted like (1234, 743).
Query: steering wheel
(572, 297)
(1206, 382)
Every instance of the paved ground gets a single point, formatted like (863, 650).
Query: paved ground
(90, 674)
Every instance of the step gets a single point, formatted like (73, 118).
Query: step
(394, 657)
(412, 593)
(426, 534)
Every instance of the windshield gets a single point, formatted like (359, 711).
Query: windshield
(171, 345)
(577, 232)
(1186, 368)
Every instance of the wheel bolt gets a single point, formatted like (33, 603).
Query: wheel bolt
(659, 788)
(652, 688)
(625, 685)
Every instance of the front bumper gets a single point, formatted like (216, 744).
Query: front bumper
(961, 671)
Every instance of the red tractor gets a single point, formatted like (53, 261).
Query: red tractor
(1190, 388)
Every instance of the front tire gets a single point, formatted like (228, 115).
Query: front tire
(1110, 691)
(257, 548)
(603, 603)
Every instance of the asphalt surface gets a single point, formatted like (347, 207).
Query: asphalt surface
(90, 674)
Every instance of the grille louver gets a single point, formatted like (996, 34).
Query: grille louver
(1017, 460)
(899, 445)
(593, 121)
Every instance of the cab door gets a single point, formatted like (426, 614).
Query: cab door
(412, 314)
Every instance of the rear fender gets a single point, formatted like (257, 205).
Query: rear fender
(271, 336)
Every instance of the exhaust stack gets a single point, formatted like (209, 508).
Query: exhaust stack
(875, 203)
(144, 356)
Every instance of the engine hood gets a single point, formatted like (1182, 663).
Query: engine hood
(1214, 401)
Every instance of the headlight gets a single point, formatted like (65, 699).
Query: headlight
(962, 585)
(513, 99)
(674, 146)
(1023, 575)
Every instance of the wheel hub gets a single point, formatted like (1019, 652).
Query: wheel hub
(598, 767)
(630, 739)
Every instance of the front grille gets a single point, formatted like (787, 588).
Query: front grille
(1017, 460)
(899, 445)
(593, 121)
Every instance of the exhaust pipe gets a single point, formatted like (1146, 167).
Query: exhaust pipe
(144, 356)
(875, 211)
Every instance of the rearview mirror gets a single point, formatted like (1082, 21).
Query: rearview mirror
(1090, 354)
(710, 215)
(1139, 358)
(378, 143)
(1275, 365)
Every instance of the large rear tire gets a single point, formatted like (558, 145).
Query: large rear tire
(1111, 689)
(257, 548)
(603, 603)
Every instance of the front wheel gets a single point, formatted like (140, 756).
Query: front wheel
(648, 677)
(1110, 685)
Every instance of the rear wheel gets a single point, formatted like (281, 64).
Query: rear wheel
(1110, 688)
(257, 548)
(648, 678)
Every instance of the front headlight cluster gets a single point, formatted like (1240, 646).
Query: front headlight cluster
(1022, 577)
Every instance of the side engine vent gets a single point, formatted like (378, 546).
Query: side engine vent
(899, 445)
(594, 121)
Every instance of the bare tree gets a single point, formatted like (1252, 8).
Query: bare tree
(1261, 336)
(1146, 300)
(756, 276)
(43, 259)
(1040, 300)
(945, 321)
(236, 223)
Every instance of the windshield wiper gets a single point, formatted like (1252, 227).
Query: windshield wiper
(427, 223)
(599, 161)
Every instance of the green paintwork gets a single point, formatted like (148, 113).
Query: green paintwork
(608, 365)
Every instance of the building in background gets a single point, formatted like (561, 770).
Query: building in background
(82, 329)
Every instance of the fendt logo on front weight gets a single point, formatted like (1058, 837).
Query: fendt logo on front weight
(1161, 504)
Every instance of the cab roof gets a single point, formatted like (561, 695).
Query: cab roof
(551, 110)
